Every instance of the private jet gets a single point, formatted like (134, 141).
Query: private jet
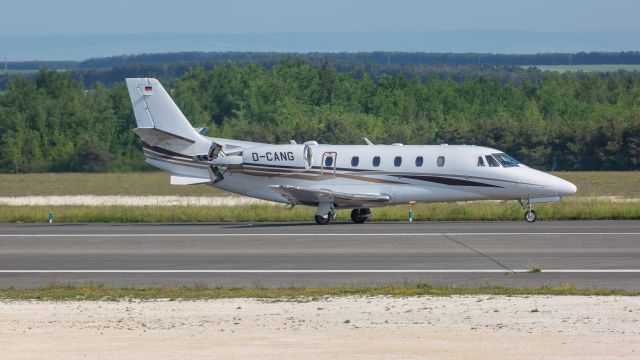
(332, 177)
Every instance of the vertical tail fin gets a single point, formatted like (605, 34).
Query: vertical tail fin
(160, 121)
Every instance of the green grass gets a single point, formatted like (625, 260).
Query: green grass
(624, 184)
(98, 292)
(591, 183)
(584, 205)
(484, 211)
(586, 68)
(141, 183)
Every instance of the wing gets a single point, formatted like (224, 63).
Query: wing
(299, 195)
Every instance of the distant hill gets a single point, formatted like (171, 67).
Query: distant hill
(79, 47)
(457, 66)
(376, 57)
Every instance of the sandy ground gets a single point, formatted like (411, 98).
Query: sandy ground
(466, 327)
(122, 200)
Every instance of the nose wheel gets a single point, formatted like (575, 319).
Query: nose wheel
(530, 215)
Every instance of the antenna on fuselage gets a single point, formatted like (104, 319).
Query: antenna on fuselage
(368, 142)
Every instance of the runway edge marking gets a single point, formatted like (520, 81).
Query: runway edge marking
(306, 271)
(320, 234)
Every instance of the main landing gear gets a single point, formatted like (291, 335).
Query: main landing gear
(324, 220)
(360, 216)
(325, 213)
(530, 215)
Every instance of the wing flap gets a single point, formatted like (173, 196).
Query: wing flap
(299, 195)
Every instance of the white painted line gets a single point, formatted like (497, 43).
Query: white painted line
(306, 271)
(591, 271)
(319, 234)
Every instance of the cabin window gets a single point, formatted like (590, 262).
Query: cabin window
(328, 161)
(480, 161)
(355, 161)
(376, 161)
(397, 161)
(419, 161)
(440, 161)
(492, 162)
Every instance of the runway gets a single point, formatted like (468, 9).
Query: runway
(598, 254)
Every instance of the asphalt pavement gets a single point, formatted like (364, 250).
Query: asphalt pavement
(596, 254)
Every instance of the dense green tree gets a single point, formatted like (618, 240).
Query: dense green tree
(562, 121)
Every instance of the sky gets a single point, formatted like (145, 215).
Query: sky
(86, 17)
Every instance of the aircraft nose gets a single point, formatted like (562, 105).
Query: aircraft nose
(566, 188)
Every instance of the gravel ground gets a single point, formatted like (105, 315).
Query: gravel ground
(459, 327)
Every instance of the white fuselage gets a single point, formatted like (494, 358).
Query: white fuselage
(460, 178)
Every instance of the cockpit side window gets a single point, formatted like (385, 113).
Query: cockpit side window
(506, 160)
(491, 161)
(480, 161)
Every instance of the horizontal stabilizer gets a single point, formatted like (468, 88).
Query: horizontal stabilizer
(156, 137)
(185, 180)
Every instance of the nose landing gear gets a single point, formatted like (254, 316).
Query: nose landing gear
(530, 215)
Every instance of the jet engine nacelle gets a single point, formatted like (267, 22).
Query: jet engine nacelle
(291, 157)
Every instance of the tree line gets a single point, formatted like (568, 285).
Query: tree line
(459, 66)
(569, 121)
(379, 57)
(374, 57)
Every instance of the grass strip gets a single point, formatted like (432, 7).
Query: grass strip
(135, 183)
(622, 184)
(568, 209)
(92, 292)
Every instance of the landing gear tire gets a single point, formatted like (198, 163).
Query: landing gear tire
(325, 213)
(530, 216)
(360, 216)
(321, 220)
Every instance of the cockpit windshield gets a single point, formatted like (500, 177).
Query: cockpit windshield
(506, 160)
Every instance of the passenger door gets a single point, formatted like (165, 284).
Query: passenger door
(328, 164)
